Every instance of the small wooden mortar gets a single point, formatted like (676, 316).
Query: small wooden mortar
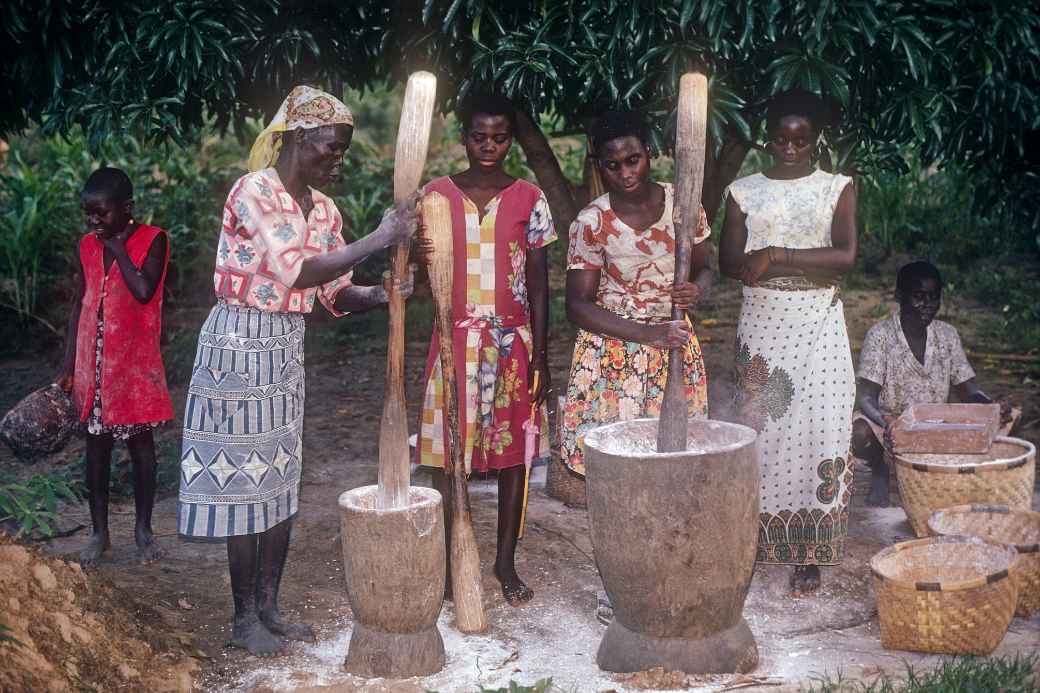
(393, 535)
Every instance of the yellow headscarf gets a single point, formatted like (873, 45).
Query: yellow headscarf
(304, 107)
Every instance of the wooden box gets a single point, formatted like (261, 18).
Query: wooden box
(939, 428)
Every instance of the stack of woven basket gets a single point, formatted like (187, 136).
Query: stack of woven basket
(957, 591)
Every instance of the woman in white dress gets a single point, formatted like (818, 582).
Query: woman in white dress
(789, 235)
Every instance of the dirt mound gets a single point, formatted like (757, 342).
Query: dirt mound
(74, 631)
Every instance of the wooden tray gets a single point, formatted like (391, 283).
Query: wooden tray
(939, 428)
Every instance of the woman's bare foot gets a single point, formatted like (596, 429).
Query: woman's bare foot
(287, 629)
(95, 548)
(148, 549)
(253, 636)
(805, 580)
(878, 496)
(513, 588)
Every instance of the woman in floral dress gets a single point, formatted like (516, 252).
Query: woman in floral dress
(790, 233)
(500, 308)
(620, 292)
(280, 251)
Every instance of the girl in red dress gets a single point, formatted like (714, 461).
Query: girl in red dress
(500, 307)
(112, 362)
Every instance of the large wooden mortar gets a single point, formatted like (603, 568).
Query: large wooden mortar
(674, 536)
(393, 560)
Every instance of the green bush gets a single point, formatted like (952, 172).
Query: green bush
(31, 505)
(983, 253)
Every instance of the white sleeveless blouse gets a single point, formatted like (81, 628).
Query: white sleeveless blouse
(788, 213)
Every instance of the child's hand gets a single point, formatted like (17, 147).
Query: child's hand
(64, 381)
(538, 394)
(115, 242)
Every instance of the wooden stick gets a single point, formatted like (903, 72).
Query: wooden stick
(413, 138)
(523, 508)
(527, 468)
(465, 560)
(690, 133)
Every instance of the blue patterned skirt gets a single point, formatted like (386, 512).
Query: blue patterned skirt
(242, 448)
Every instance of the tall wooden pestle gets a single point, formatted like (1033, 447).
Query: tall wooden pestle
(413, 138)
(690, 135)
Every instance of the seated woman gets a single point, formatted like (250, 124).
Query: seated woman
(909, 358)
(620, 273)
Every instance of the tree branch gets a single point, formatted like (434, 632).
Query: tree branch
(721, 171)
(558, 189)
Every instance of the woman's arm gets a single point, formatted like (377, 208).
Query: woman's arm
(735, 263)
(537, 275)
(68, 366)
(970, 392)
(583, 311)
(142, 282)
(357, 299)
(841, 256)
(397, 226)
(733, 240)
(867, 396)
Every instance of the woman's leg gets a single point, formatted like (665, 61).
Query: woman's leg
(248, 632)
(510, 507)
(867, 447)
(145, 475)
(806, 579)
(274, 547)
(99, 460)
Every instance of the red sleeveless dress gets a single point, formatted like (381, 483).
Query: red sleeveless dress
(129, 382)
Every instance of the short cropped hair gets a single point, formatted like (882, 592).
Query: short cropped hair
(914, 272)
(613, 125)
(818, 111)
(488, 104)
(111, 183)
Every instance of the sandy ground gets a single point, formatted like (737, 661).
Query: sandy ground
(557, 634)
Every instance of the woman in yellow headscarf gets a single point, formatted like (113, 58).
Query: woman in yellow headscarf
(280, 248)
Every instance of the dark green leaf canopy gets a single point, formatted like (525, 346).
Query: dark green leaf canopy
(958, 80)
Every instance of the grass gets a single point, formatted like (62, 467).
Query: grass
(1017, 674)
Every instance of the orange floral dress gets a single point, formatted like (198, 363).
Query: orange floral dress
(612, 379)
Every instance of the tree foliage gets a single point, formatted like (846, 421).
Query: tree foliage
(956, 80)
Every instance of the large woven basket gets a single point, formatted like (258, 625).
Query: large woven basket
(1019, 529)
(947, 595)
(929, 482)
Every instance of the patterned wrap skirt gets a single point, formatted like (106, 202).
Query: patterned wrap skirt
(614, 380)
(795, 386)
(242, 449)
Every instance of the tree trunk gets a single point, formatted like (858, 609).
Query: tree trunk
(558, 190)
(719, 172)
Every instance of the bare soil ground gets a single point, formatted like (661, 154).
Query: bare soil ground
(556, 635)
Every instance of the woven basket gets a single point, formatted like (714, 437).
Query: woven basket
(1003, 476)
(947, 595)
(1019, 529)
